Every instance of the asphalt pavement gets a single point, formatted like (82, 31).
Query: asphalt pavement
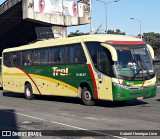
(62, 117)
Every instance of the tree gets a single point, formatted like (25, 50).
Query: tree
(77, 33)
(154, 40)
(118, 31)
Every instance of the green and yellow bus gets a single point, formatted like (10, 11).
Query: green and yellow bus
(91, 67)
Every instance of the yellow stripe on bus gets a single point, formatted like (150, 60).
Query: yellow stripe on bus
(16, 74)
(54, 81)
(44, 78)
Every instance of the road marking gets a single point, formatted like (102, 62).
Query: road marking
(64, 124)
(67, 114)
(91, 118)
(25, 115)
(27, 122)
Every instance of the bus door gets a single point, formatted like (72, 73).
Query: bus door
(104, 81)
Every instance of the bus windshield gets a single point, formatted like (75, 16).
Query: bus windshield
(133, 61)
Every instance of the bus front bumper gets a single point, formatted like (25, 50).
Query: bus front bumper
(122, 94)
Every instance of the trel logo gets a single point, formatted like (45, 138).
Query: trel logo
(62, 72)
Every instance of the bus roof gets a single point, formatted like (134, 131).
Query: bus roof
(108, 38)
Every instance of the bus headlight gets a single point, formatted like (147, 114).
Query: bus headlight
(120, 85)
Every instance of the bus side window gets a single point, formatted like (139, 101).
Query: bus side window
(44, 56)
(76, 60)
(104, 62)
(7, 59)
(53, 55)
(100, 57)
(16, 61)
(37, 57)
(57, 55)
(27, 57)
(93, 47)
(75, 54)
(41, 56)
(79, 54)
(58, 59)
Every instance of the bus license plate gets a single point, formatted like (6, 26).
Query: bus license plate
(139, 98)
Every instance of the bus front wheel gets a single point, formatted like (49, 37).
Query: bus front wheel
(28, 91)
(86, 97)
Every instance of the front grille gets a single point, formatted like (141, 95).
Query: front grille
(140, 88)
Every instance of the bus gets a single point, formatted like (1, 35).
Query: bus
(90, 67)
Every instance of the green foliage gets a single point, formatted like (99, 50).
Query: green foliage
(154, 40)
(118, 31)
(77, 33)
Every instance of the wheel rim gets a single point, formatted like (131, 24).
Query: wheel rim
(28, 92)
(87, 95)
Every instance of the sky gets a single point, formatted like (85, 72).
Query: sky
(119, 14)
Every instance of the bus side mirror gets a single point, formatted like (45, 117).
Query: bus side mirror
(151, 51)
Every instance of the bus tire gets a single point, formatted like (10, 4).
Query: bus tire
(87, 97)
(28, 92)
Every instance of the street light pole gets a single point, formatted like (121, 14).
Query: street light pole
(140, 25)
(106, 17)
(90, 17)
(106, 4)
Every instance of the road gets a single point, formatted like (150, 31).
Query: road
(61, 114)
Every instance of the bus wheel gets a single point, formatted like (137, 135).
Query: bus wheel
(28, 91)
(86, 97)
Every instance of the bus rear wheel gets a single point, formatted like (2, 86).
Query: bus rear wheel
(28, 92)
(87, 97)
